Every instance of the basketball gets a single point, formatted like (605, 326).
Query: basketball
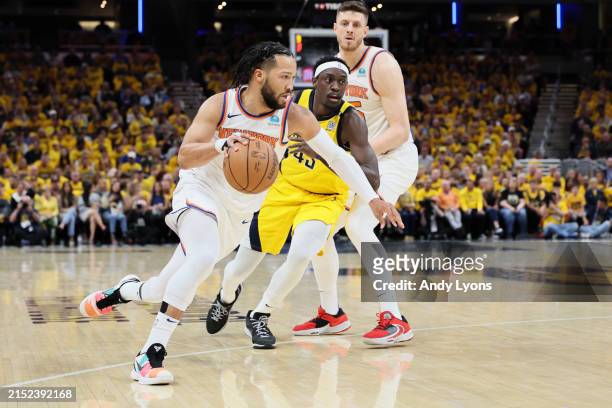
(253, 168)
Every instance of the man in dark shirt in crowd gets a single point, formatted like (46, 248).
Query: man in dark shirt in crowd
(512, 204)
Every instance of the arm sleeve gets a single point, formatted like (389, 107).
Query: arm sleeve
(343, 164)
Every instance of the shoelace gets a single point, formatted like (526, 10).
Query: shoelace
(382, 322)
(260, 327)
(218, 311)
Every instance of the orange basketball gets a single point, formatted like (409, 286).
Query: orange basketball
(253, 168)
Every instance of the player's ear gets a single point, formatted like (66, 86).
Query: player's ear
(314, 82)
(367, 28)
(259, 74)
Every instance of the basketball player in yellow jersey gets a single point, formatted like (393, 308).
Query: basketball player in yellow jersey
(307, 198)
(207, 211)
(376, 89)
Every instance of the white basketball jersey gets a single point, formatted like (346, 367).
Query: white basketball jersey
(360, 93)
(269, 127)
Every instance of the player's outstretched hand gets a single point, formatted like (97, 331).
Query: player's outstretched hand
(235, 139)
(300, 146)
(386, 213)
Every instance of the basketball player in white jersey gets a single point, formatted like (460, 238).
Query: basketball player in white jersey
(208, 215)
(376, 89)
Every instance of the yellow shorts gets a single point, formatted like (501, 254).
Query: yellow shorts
(287, 206)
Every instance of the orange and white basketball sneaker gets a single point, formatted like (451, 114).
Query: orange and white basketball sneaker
(148, 367)
(99, 303)
(324, 323)
(390, 331)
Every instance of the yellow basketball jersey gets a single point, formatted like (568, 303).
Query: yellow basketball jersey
(311, 174)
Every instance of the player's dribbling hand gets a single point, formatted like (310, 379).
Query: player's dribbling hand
(235, 139)
(386, 213)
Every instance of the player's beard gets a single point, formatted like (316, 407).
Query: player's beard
(269, 98)
(355, 45)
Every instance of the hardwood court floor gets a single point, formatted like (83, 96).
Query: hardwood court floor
(463, 355)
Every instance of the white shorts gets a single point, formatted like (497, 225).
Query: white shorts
(398, 170)
(191, 194)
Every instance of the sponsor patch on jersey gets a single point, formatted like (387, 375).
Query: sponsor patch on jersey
(361, 72)
(331, 125)
(274, 121)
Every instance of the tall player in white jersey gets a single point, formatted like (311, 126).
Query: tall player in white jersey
(207, 213)
(376, 88)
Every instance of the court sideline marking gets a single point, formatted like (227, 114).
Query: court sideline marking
(197, 353)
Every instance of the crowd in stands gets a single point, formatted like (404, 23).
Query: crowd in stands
(88, 148)
(592, 126)
(89, 142)
(471, 119)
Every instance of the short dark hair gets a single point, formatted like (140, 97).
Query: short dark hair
(328, 59)
(357, 6)
(258, 56)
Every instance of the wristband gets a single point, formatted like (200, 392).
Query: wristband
(220, 145)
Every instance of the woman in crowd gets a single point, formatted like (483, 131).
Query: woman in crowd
(116, 214)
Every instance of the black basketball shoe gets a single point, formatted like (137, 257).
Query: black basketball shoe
(257, 329)
(218, 314)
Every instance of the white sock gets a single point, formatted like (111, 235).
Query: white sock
(238, 270)
(130, 290)
(392, 307)
(162, 330)
(308, 238)
(326, 273)
(263, 307)
(152, 290)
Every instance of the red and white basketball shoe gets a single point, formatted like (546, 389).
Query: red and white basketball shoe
(324, 323)
(390, 331)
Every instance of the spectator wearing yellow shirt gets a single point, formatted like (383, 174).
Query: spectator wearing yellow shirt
(427, 192)
(178, 117)
(131, 165)
(472, 209)
(576, 205)
(5, 162)
(48, 209)
(45, 168)
(436, 181)
(555, 213)
(146, 141)
(76, 184)
(115, 134)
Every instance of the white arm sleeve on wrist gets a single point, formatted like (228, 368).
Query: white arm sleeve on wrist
(343, 164)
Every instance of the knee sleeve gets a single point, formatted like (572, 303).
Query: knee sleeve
(201, 252)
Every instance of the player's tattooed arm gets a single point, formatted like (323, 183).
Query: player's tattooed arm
(354, 133)
(198, 148)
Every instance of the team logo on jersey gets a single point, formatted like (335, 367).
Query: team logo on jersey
(331, 126)
(274, 121)
(361, 72)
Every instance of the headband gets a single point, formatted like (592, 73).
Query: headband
(331, 64)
